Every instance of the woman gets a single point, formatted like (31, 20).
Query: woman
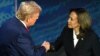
(77, 37)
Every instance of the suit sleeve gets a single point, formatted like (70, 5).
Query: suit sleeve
(96, 46)
(17, 41)
(25, 45)
(58, 43)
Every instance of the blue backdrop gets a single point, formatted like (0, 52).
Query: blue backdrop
(53, 17)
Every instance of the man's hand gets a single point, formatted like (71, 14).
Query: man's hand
(46, 45)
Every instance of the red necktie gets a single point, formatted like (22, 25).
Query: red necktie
(27, 29)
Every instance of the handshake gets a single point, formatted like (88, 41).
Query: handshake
(46, 45)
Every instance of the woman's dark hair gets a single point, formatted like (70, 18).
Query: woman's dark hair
(84, 19)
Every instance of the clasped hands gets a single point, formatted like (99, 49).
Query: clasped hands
(46, 44)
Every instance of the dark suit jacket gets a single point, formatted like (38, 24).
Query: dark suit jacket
(15, 40)
(88, 45)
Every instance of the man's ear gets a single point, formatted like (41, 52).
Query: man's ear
(27, 20)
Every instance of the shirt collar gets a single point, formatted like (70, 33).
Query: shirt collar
(23, 23)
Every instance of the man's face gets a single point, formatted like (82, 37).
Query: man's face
(73, 21)
(33, 18)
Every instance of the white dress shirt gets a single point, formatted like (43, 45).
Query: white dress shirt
(23, 23)
(75, 38)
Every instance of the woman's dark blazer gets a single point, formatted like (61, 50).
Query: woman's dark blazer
(88, 45)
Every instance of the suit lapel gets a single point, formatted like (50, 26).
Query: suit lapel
(80, 42)
(72, 42)
(22, 27)
(70, 39)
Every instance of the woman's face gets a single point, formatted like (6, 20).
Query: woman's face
(73, 21)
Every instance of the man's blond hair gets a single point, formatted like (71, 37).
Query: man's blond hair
(26, 9)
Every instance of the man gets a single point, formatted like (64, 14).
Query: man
(15, 39)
